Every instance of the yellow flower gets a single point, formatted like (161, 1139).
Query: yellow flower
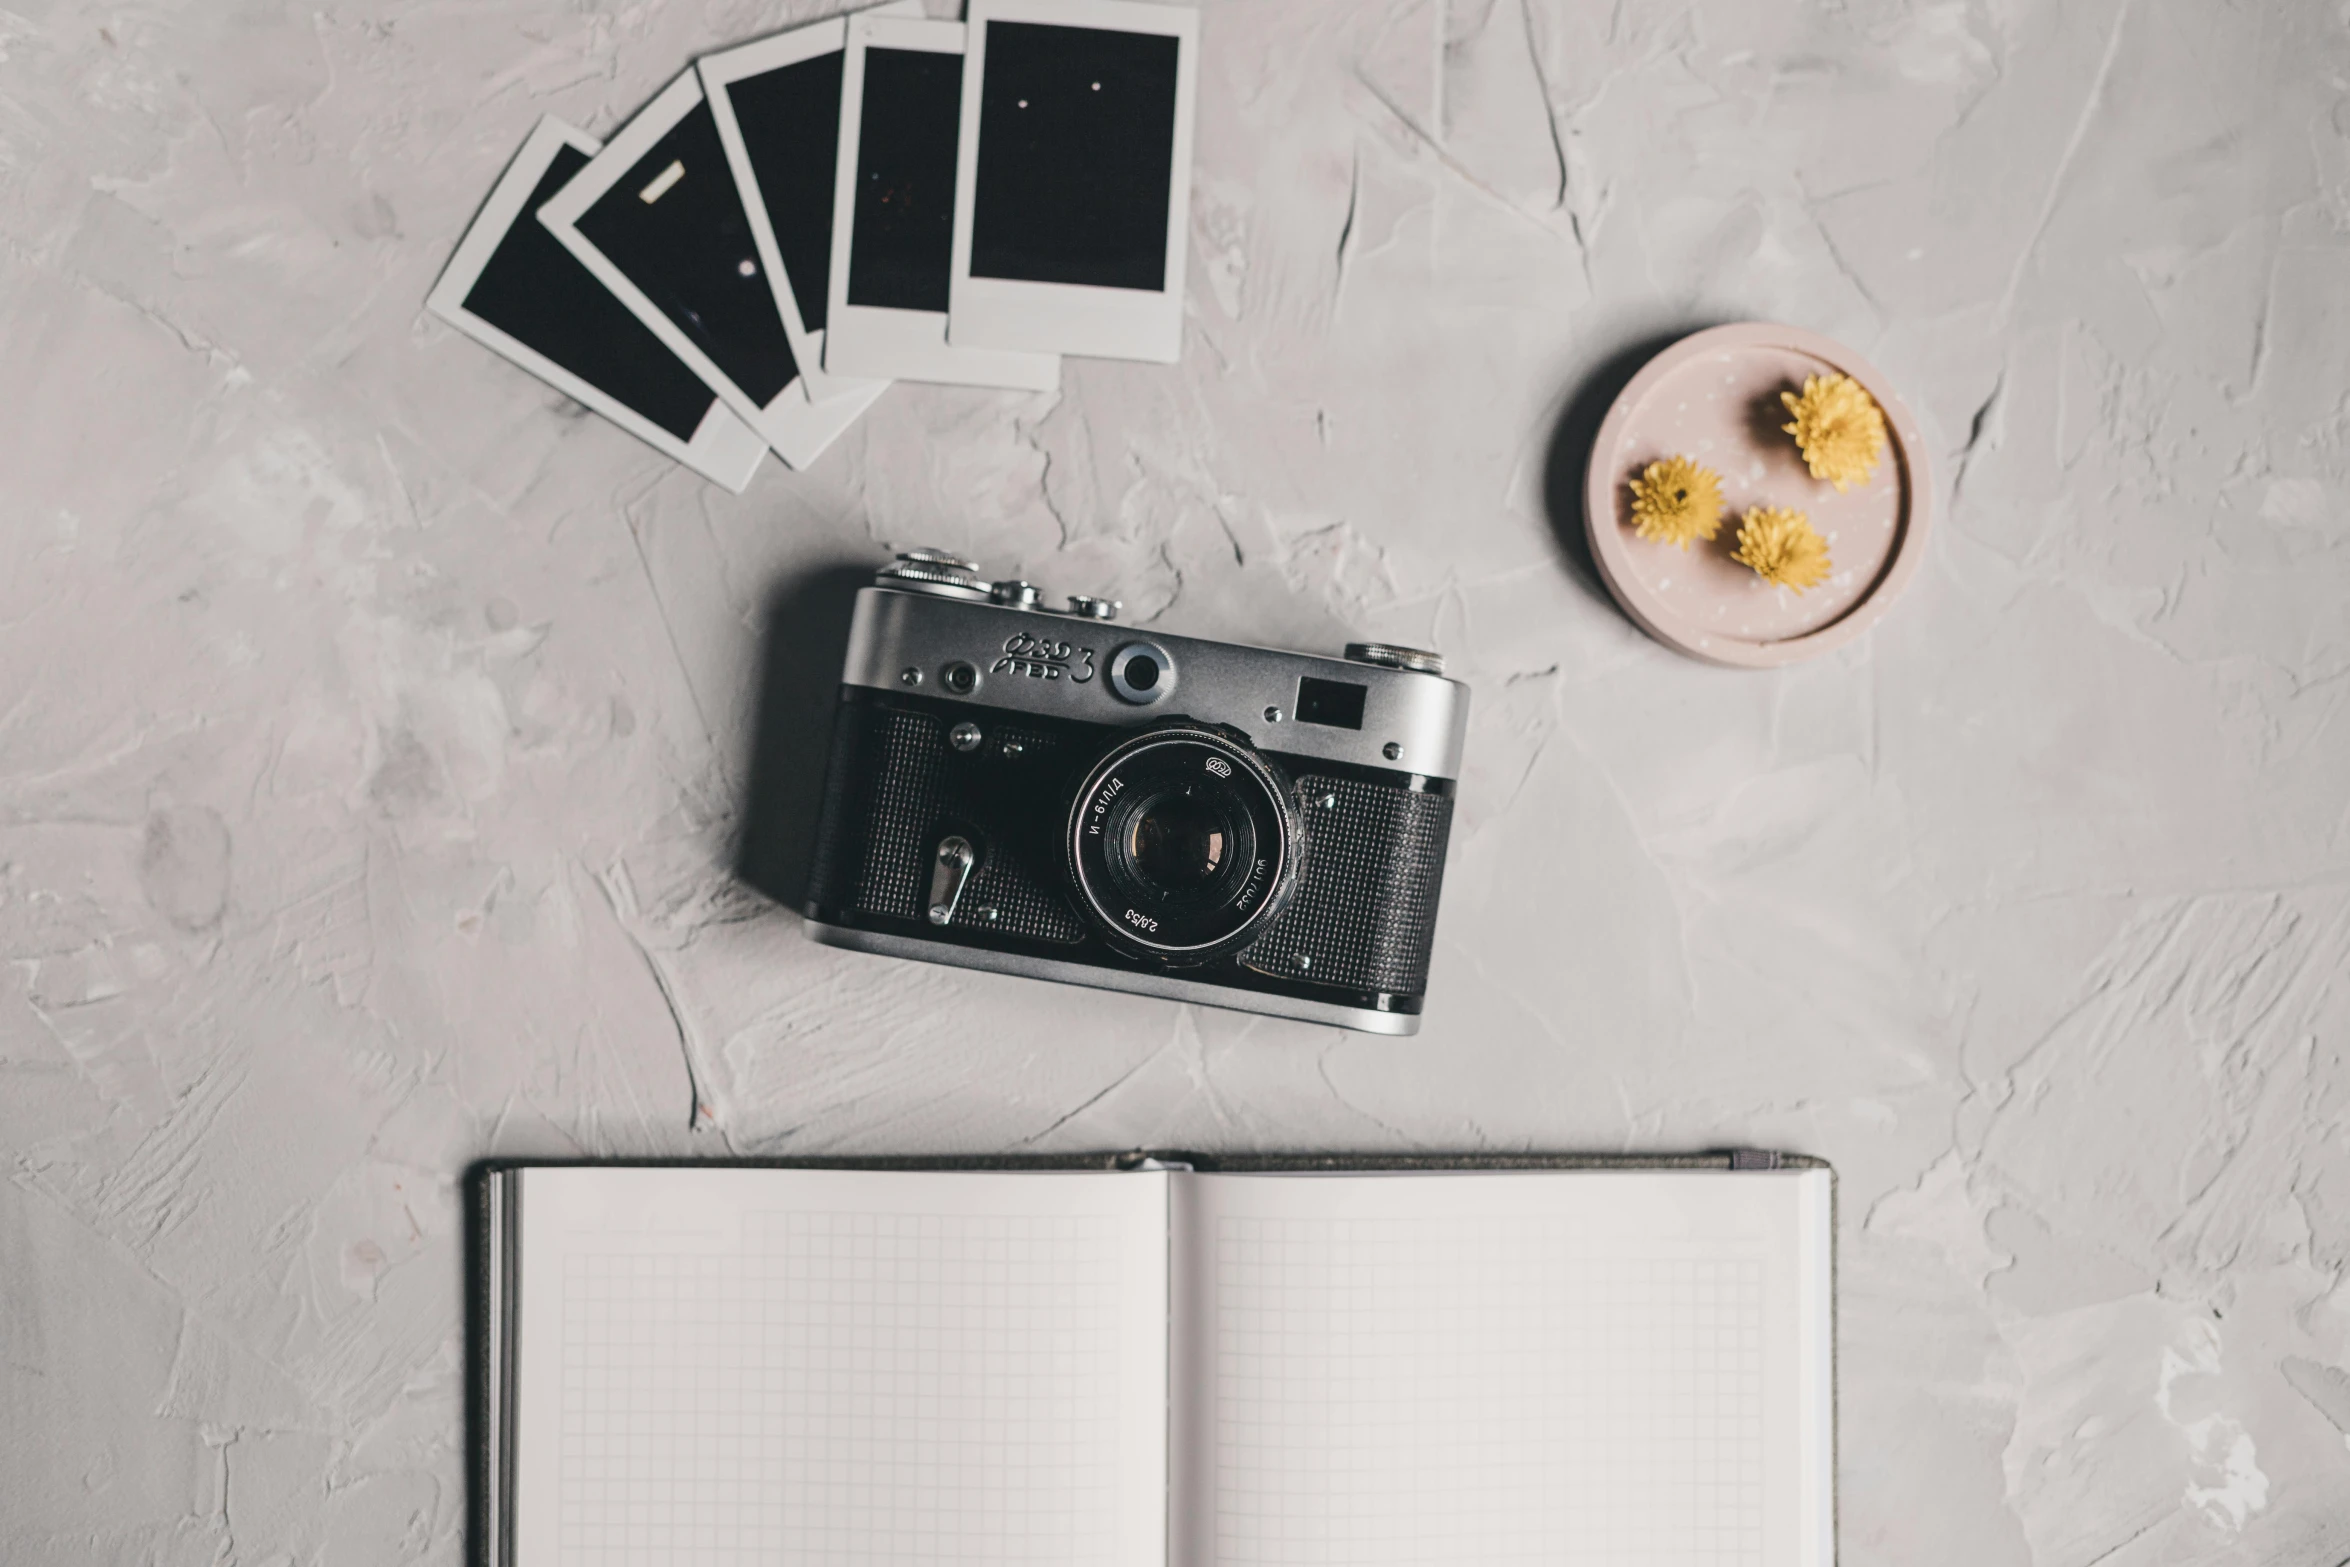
(1839, 426)
(1783, 547)
(1675, 501)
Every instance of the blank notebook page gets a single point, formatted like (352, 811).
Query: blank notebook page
(727, 1366)
(1601, 1367)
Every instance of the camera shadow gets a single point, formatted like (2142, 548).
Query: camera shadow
(802, 636)
(1570, 449)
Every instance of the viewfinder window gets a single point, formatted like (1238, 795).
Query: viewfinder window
(1336, 704)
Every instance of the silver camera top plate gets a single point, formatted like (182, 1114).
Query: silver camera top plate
(1031, 661)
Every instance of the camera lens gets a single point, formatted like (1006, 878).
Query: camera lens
(1178, 842)
(1182, 843)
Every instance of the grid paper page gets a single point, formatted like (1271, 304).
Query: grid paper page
(1488, 1368)
(791, 1366)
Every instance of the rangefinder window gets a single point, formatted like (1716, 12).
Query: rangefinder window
(1335, 704)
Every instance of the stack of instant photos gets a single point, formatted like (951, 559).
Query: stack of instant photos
(794, 223)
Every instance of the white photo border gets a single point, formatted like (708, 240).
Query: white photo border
(905, 345)
(1075, 318)
(723, 449)
(721, 71)
(797, 428)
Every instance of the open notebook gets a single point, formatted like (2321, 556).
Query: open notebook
(712, 1366)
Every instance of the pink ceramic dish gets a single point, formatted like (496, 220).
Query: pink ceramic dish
(1714, 397)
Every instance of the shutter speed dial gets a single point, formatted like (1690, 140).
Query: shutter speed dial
(935, 572)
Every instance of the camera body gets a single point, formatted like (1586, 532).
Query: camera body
(1049, 794)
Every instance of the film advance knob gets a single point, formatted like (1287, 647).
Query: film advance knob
(948, 559)
(1086, 607)
(1389, 656)
(934, 571)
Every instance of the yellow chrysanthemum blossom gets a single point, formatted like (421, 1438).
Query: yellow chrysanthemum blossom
(1783, 547)
(1839, 427)
(1675, 500)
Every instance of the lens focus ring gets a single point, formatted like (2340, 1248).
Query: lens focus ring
(1182, 843)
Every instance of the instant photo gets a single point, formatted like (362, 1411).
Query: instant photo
(513, 288)
(657, 217)
(1074, 178)
(894, 214)
(776, 104)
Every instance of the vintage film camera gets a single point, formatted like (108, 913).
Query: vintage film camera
(1040, 792)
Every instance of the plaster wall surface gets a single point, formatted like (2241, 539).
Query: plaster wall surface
(375, 726)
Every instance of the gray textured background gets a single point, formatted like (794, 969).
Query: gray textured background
(374, 726)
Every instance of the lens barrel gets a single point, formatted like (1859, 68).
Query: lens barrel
(1182, 843)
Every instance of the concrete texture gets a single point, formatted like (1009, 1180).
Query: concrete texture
(374, 727)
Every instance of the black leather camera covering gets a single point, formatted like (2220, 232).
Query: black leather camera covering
(1363, 913)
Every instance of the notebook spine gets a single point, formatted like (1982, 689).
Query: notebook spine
(500, 1298)
(1341, 1163)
